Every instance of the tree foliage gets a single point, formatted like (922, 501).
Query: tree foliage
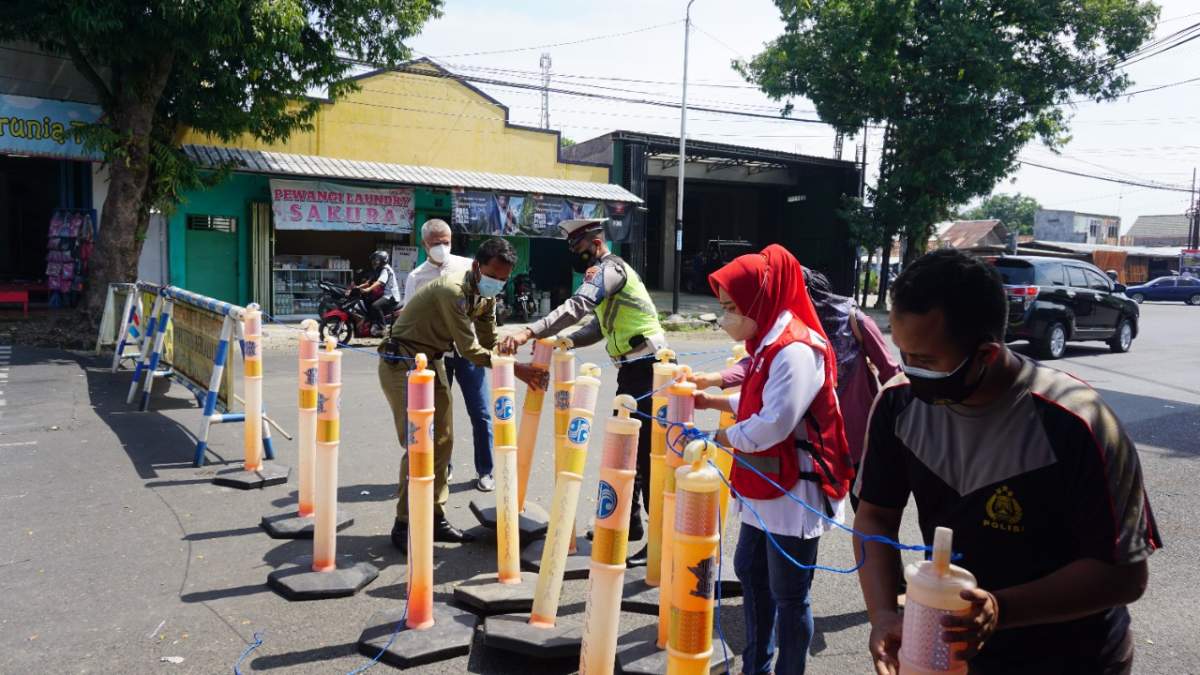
(1015, 211)
(959, 85)
(224, 67)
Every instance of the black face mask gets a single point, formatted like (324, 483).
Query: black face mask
(582, 260)
(936, 387)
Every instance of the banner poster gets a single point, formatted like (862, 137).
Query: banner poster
(498, 213)
(45, 128)
(1189, 262)
(196, 332)
(320, 205)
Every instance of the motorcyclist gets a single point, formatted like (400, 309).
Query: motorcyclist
(385, 278)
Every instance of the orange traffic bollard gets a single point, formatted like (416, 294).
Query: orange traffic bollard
(618, 467)
(572, 460)
(724, 460)
(252, 369)
(664, 372)
(508, 555)
(697, 538)
(681, 408)
(306, 433)
(329, 402)
(531, 418)
(420, 495)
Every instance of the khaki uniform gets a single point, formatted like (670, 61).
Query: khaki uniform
(447, 313)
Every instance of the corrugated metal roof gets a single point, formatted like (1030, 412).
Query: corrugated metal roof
(1159, 226)
(1149, 251)
(288, 164)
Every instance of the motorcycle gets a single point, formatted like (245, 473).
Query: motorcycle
(346, 313)
(525, 305)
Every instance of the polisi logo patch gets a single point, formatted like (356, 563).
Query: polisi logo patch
(579, 430)
(606, 500)
(504, 408)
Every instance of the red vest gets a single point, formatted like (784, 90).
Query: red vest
(826, 436)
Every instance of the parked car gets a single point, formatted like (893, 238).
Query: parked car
(1168, 289)
(1055, 300)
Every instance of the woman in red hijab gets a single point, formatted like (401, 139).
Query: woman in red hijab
(789, 438)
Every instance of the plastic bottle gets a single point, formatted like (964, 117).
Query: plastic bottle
(934, 588)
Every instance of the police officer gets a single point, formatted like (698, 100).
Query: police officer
(456, 311)
(622, 314)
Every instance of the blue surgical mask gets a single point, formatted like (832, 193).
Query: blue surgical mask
(489, 287)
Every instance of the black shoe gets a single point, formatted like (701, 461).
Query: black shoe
(400, 535)
(636, 530)
(638, 559)
(449, 472)
(589, 534)
(444, 532)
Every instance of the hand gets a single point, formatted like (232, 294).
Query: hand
(705, 381)
(702, 400)
(536, 378)
(509, 344)
(975, 626)
(722, 439)
(884, 643)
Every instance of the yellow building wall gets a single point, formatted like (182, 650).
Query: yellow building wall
(407, 118)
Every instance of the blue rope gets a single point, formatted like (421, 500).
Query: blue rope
(237, 665)
(399, 627)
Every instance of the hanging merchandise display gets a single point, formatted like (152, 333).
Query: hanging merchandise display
(68, 248)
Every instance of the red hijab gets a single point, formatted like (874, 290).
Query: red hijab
(762, 285)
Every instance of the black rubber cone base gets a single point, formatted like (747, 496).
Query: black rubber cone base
(532, 522)
(296, 580)
(448, 638)
(291, 526)
(484, 594)
(513, 633)
(578, 565)
(641, 598)
(638, 653)
(270, 474)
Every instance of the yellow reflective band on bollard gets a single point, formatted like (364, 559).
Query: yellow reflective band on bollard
(328, 431)
(252, 368)
(308, 399)
(610, 547)
(504, 434)
(420, 464)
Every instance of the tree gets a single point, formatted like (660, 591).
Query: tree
(1015, 211)
(224, 67)
(565, 142)
(959, 85)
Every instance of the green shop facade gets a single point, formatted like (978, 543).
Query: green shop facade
(280, 223)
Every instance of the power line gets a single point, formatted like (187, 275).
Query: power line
(562, 44)
(1109, 179)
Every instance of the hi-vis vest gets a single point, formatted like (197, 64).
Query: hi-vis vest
(628, 313)
(825, 436)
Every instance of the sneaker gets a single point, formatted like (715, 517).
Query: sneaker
(638, 559)
(485, 483)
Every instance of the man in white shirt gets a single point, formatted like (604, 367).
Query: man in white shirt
(435, 239)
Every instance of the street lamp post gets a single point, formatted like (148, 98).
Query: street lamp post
(687, 25)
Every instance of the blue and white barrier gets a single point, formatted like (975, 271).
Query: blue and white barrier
(151, 352)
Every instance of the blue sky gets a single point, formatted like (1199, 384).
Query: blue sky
(1153, 136)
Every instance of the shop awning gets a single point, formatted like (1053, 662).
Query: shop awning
(288, 164)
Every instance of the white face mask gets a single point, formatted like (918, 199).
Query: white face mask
(737, 326)
(438, 253)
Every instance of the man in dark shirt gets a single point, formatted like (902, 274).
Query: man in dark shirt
(1026, 464)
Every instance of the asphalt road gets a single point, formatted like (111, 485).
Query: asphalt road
(115, 552)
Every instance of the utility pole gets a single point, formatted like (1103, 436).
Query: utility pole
(545, 64)
(1194, 218)
(687, 29)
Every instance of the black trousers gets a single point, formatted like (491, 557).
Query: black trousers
(637, 379)
(379, 309)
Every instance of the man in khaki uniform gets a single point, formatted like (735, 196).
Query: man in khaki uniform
(457, 311)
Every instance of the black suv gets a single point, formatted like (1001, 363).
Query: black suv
(1053, 300)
